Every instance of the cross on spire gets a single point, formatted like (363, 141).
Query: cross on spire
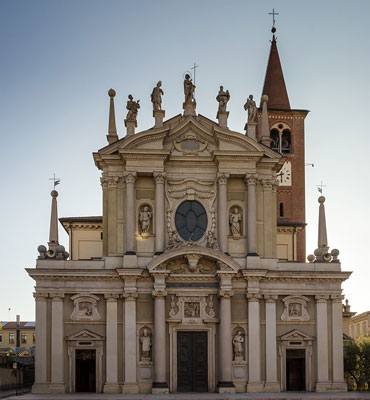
(319, 187)
(273, 17)
(195, 66)
(56, 181)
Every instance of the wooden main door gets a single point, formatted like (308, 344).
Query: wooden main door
(85, 371)
(192, 362)
(295, 370)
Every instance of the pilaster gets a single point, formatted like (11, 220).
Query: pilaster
(251, 181)
(159, 178)
(130, 259)
(222, 212)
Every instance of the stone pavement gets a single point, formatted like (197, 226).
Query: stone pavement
(198, 396)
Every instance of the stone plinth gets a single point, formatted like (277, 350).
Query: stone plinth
(130, 125)
(158, 118)
(222, 119)
(251, 128)
(189, 108)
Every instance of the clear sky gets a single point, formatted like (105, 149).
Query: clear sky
(59, 58)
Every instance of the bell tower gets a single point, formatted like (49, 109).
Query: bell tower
(286, 127)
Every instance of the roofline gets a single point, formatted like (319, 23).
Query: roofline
(97, 218)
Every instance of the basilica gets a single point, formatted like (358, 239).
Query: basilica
(195, 278)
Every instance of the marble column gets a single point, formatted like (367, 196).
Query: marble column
(40, 385)
(130, 378)
(222, 212)
(271, 384)
(254, 343)
(130, 178)
(225, 384)
(159, 178)
(337, 343)
(322, 355)
(111, 384)
(57, 344)
(251, 180)
(160, 384)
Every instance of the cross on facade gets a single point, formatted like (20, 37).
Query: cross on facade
(273, 16)
(319, 187)
(195, 66)
(56, 181)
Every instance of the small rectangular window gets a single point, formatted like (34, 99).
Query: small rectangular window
(1, 337)
(34, 337)
(11, 338)
(24, 338)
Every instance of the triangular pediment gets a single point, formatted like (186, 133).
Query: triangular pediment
(85, 335)
(296, 335)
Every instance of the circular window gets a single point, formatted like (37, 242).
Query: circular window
(191, 220)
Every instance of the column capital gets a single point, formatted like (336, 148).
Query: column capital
(321, 298)
(336, 298)
(159, 177)
(40, 296)
(111, 297)
(130, 295)
(129, 177)
(256, 297)
(226, 293)
(159, 293)
(268, 184)
(222, 178)
(269, 298)
(56, 296)
(251, 179)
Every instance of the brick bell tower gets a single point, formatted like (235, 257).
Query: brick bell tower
(286, 127)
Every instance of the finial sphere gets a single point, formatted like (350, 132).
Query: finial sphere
(335, 252)
(54, 193)
(311, 258)
(273, 30)
(321, 199)
(264, 98)
(111, 92)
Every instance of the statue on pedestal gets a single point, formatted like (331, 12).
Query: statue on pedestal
(156, 97)
(146, 344)
(189, 88)
(132, 107)
(222, 98)
(238, 344)
(234, 221)
(250, 105)
(145, 217)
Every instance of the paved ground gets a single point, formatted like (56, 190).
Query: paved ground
(196, 396)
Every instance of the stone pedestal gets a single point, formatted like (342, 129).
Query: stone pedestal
(251, 128)
(222, 119)
(158, 118)
(189, 108)
(130, 125)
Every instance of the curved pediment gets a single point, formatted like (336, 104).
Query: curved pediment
(223, 262)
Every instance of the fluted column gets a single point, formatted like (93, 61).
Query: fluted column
(225, 384)
(111, 384)
(130, 295)
(322, 355)
(130, 178)
(41, 343)
(271, 384)
(159, 178)
(159, 293)
(222, 214)
(57, 344)
(337, 343)
(251, 181)
(254, 343)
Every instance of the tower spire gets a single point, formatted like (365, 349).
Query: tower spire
(274, 86)
(112, 130)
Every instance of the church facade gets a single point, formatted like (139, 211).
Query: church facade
(194, 279)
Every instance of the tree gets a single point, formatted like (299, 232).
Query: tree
(357, 362)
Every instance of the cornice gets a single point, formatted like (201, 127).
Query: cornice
(73, 275)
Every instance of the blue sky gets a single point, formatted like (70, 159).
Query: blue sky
(59, 58)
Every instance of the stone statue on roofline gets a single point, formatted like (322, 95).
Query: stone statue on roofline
(132, 107)
(250, 105)
(222, 98)
(189, 89)
(156, 97)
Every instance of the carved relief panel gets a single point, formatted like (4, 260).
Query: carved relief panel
(295, 309)
(192, 309)
(85, 307)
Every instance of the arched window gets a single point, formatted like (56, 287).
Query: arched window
(285, 141)
(275, 140)
(281, 210)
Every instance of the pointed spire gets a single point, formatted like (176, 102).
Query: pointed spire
(322, 241)
(112, 130)
(53, 236)
(274, 86)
